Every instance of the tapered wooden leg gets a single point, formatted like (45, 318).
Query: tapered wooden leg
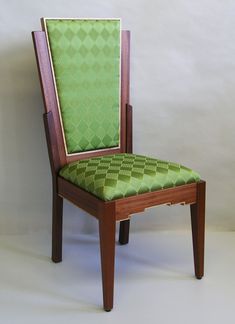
(57, 223)
(198, 229)
(107, 227)
(124, 232)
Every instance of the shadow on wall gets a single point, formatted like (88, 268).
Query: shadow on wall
(23, 160)
(25, 186)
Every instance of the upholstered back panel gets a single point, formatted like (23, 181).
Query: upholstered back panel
(85, 57)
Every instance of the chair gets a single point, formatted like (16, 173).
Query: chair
(83, 67)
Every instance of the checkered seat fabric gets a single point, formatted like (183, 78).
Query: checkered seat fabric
(122, 175)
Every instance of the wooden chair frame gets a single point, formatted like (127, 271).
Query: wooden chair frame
(108, 213)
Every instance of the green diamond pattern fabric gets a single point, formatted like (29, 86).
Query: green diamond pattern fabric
(122, 175)
(86, 62)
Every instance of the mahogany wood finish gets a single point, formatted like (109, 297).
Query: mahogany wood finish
(49, 95)
(124, 232)
(107, 226)
(81, 198)
(57, 204)
(125, 88)
(185, 194)
(198, 229)
(129, 129)
(57, 227)
(107, 213)
(125, 225)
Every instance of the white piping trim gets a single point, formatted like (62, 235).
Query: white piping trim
(81, 18)
(55, 85)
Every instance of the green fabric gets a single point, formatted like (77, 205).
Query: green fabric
(122, 175)
(86, 61)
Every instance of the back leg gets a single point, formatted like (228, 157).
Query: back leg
(124, 232)
(57, 228)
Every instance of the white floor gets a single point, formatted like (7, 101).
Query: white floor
(154, 280)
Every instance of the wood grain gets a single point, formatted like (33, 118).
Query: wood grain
(198, 229)
(185, 194)
(124, 228)
(57, 228)
(107, 225)
(125, 80)
(48, 89)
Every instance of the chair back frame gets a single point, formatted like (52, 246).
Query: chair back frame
(54, 133)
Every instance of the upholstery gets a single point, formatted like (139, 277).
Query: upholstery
(122, 175)
(86, 62)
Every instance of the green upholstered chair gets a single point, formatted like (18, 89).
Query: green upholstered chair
(84, 72)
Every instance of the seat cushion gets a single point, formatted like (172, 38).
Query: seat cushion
(122, 175)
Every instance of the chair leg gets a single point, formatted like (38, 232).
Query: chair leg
(107, 226)
(124, 232)
(198, 229)
(57, 223)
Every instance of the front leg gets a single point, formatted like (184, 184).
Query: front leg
(198, 229)
(107, 226)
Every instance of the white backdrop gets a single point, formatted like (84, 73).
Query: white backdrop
(182, 91)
